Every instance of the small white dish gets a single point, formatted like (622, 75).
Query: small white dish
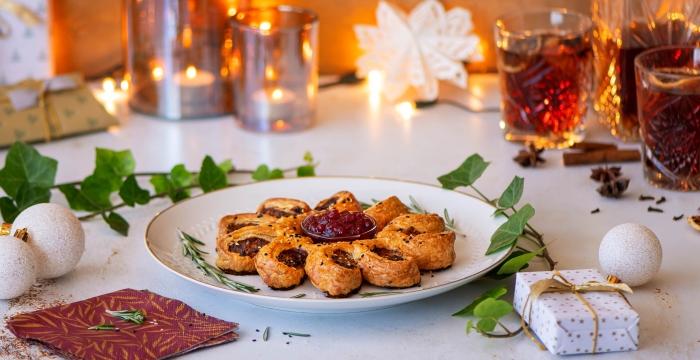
(199, 216)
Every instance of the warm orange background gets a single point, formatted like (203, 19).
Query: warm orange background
(87, 34)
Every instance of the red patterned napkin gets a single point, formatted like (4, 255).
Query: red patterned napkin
(171, 327)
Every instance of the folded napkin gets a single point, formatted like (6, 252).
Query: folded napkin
(171, 327)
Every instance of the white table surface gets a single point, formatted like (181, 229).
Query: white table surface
(353, 138)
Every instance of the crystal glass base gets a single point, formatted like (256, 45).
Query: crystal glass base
(661, 177)
(544, 141)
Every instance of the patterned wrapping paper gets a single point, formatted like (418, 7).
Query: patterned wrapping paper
(24, 48)
(563, 324)
(171, 328)
(64, 112)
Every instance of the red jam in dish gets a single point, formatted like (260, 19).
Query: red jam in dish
(339, 226)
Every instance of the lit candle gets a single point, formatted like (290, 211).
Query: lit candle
(192, 77)
(275, 106)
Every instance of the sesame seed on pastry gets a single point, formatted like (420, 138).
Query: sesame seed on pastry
(386, 210)
(280, 264)
(341, 201)
(431, 251)
(333, 270)
(386, 267)
(414, 224)
(282, 207)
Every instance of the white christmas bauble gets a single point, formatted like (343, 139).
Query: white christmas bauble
(55, 235)
(18, 268)
(631, 252)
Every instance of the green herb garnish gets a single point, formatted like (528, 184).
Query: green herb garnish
(290, 334)
(104, 327)
(134, 316)
(190, 248)
(419, 209)
(297, 296)
(266, 334)
(379, 293)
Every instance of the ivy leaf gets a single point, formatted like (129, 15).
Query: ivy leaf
(486, 325)
(180, 176)
(117, 223)
(112, 166)
(492, 308)
(97, 190)
(506, 234)
(211, 177)
(8, 209)
(263, 172)
(226, 165)
(163, 184)
(132, 193)
(493, 274)
(513, 265)
(306, 170)
(28, 196)
(24, 165)
(466, 174)
(512, 194)
(494, 293)
(76, 200)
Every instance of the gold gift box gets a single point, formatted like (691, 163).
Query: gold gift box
(48, 111)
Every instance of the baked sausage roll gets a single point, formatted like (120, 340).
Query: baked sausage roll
(236, 252)
(341, 201)
(280, 264)
(431, 251)
(333, 270)
(231, 223)
(289, 225)
(385, 267)
(282, 207)
(415, 224)
(386, 210)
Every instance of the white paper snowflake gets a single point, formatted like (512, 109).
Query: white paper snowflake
(418, 49)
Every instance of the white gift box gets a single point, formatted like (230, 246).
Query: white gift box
(24, 48)
(562, 322)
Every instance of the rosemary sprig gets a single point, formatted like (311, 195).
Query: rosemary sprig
(415, 206)
(190, 248)
(266, 334)
(134, 316)
(379, 293)
(104, 327)
(297, 296)
(290, 334)
(418, 208)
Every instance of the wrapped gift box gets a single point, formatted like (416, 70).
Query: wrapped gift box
(24, 41)
(34, 110)
(565, 326)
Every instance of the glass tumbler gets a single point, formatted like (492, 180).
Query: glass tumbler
(668, 94)
(275, 68)
(544, 65)
(622, 30)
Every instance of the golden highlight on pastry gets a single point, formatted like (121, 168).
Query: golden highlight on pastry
(236, 252)
(333, 270)
(341, 201)
(280, 264)
(386, 267)
(231, 223)
(386, 210)
(415, 224)
(431, 251)
(283, 207)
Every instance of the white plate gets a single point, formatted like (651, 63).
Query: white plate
(199, 215)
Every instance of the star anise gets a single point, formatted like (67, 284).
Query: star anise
(614, 188)
(529, 157)
(605, 173)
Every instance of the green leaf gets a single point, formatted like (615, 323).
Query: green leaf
(181, 177)
(112, 166)
(163, 184)
(506, 234)
(117, 223)
(493, 274)
(308, 158)
(513, 265)
(486, 325)
(97, 191)
(8, 209)
(211, 177)
(470, 326)
(492, 308)
(466, 174)
(512, 194)
(263, 172)
(226, 165)
(76, 200)
(23, 164)
(306, 170)
(28, 196)
(494, 293)
(132, 193)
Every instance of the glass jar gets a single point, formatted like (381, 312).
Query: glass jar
(622, 30)
(177, 57)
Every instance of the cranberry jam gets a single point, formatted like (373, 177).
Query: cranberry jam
(331, 226)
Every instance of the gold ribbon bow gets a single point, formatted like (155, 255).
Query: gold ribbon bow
(558, 283)
(23, 13)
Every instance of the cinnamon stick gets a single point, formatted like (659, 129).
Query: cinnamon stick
(600, 156)
(593, 146)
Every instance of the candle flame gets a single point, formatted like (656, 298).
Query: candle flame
(406, 109)
(124, 85)
(269, 72)
(265, 26)
(231, 11)
(157, 73)
(276, 94)
(109, 85)
(191, 72)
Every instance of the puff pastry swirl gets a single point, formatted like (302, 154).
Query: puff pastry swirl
(333, 270)
(236, 252)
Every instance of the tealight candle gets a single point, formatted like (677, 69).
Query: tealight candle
(273, 105)
(192, 77)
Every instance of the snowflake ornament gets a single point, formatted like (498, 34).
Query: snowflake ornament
(418, 49)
